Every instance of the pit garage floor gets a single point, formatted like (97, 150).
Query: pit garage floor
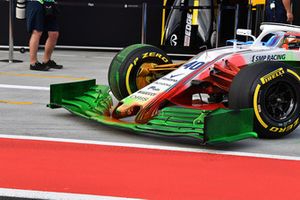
(25, 119)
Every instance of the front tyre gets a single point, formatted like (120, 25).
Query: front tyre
(273, 90)
(131, 69)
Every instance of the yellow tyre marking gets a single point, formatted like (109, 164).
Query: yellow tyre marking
(272, 75)
(255, 106)
(16, 102)
(127, 79)
(294, 73)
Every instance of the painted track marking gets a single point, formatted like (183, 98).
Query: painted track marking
(53, 195)
(137, 172)
(16, 102)
(23, 87)
(155, 147)
(42, 76)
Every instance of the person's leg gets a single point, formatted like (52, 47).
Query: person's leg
(50, 45)
(35, 26)
(33, 49)
(52, 27)
(34, 45)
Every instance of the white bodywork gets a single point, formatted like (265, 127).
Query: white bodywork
(249, 53)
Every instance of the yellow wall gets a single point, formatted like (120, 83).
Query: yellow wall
(254, 2)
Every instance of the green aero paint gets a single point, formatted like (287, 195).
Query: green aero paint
(92, 101)
(292, 60)
(43, 1)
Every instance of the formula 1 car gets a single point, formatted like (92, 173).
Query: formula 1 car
(220, 95)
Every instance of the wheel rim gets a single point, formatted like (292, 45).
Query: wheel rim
(280, 101)
(145, 76)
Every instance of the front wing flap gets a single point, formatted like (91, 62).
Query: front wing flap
(92, 101)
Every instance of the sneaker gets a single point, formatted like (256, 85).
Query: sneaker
(52, 64)
(39, 66)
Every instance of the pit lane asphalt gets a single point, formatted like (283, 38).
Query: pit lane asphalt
(24, 111)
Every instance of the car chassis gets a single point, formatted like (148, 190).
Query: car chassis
(220, 95)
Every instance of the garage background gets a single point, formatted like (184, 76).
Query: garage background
(106, 23)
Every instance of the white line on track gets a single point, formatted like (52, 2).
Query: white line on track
(155, 147)
(23, 87)
(76, 56)
(33, 194)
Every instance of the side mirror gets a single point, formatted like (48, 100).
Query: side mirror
(245, 32)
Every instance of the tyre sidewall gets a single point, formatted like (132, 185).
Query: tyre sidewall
(129, 68)
(247, 91)
(266, 125)
(115, 66)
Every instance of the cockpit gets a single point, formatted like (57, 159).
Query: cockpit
(286, 40)
(291, 41)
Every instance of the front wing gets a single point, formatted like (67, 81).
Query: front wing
(92, 101)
